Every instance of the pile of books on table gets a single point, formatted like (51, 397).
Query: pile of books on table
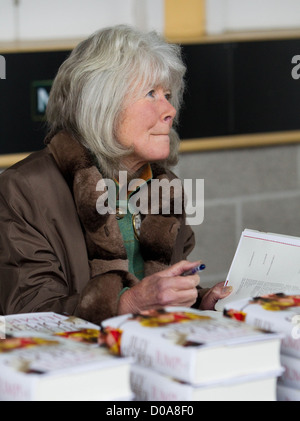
(171, 354)
(265, 276)
(276, 312)
(48, 356)
(183, 354)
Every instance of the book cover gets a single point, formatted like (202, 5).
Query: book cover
(193, 347)
(49, 323)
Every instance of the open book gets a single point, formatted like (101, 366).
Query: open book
(264, 263)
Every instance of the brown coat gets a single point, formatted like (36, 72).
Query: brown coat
(44, 261)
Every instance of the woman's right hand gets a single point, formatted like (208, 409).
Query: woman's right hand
(164, 288)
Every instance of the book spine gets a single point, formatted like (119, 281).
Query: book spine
(291, 374)
(16, 386)
(285, 393)
(290, 346)
(148, 385)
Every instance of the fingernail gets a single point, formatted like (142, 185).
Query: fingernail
(227, 290)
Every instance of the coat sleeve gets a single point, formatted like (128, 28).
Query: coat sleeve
(188, 242)
(184, 245)
(31, 277)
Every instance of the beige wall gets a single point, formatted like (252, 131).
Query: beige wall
(257, 188)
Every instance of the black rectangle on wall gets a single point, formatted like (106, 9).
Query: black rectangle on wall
(231, 88)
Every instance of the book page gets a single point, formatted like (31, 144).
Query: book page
(263, 263)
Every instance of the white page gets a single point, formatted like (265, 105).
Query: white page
(263, 263)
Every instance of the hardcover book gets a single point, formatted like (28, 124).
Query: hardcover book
(278, 312)
(194, 347)
(149, 385)
(48, 323)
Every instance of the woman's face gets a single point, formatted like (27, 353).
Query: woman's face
(145, 125)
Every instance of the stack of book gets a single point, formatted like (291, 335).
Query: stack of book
(47, 356)
(277, 312)
(184, 354)
(173, 354)
(288, 387)
(265, 275)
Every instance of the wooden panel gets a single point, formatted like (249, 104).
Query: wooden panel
(240, 141)
(184, 18)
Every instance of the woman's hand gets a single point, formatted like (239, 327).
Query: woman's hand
(214, 294)
(165, 288)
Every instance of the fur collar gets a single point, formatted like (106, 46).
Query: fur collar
(104, 241)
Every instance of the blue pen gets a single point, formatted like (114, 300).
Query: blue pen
(194, 270)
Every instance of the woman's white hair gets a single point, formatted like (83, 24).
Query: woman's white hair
(89, 90)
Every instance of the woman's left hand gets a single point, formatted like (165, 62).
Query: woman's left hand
(213, 295)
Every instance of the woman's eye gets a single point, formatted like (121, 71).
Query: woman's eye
(151, 93)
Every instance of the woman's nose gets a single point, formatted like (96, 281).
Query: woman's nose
(168, 111)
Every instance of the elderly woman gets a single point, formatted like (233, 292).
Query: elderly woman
(111, 111)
